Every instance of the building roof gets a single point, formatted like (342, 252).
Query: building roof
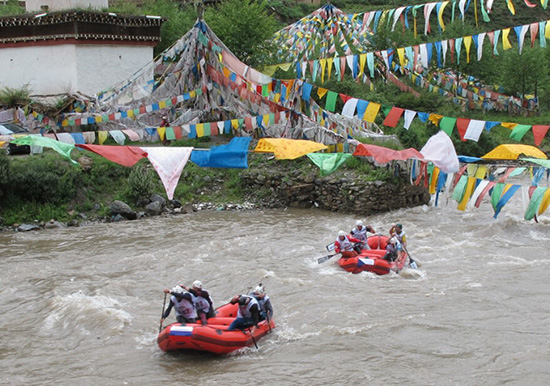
(80, 25)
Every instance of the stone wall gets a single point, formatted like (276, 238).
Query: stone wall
(342, 193)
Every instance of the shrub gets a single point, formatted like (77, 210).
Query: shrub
(48, 179)
(141, 183)
(4, 174)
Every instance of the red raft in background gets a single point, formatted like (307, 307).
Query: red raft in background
(213, 337)
(371, 260)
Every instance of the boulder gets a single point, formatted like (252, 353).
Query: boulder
(52, 224)
(154, 208)
(158, 198)
(27, 227)
(123, 209)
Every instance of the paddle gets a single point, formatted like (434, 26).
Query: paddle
(161, 315)
(412, 263)
(325, 258)
(252, 336)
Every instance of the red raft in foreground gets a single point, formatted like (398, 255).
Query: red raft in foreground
(213, 337)
(371, 259)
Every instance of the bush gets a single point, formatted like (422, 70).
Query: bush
(141, 183)
(4, 174)
(48, 179)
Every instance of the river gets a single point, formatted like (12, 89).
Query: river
(81, 306)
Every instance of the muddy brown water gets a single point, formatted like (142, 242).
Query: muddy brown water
(81, 306)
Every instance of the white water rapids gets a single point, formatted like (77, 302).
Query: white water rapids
(82, 305)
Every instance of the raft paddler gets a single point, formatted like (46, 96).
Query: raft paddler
(360, 232)
(203, 301)
(248, 313)
(183, 303)
(344, 245)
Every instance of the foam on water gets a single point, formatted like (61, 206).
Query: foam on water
(85, 313)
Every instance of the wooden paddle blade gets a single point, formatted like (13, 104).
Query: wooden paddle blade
(323, 259)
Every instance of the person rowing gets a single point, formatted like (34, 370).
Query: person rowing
(360, 232)
(344, 245)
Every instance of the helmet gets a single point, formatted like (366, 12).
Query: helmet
(177, 290)
(197, 284)
(359, 223)
(399, 226)
(243, 300)
(393, 240)
(259, 290)
(341, 233)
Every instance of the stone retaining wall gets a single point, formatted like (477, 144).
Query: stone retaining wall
(339, 194)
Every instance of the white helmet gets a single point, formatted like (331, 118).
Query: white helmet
(197, 284)
(177, 290)
(259, 290)
(359, 223)
(393, 240)
(341, 233)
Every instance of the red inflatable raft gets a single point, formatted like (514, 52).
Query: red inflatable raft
(213, 337)
(371, 259)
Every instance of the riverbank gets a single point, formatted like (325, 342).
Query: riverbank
(45, 191)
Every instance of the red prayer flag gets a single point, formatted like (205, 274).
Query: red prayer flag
(345, 97)
(177, 132)
(384, 155)
(462, 126)
(122, 155)
(539, 132)
(393, 117)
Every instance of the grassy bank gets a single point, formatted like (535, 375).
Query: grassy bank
(46, 186)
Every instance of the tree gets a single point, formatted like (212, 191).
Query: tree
(244, 26)
(525, 73)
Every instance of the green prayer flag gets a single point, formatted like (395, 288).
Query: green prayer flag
(497, 193)
(330, 104)
(62, 148)
(519, 131)
(386, 109)
(170, 135)
(534, 204)
(447, 124)
(460, 188)
(328, 162)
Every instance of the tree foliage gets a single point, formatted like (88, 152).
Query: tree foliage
(245, 27)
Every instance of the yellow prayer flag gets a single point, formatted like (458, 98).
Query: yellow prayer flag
(467, 43)
(401, 55)
(162, 104)
(285, 66)
(65, 122)
(98, 119)
(468, 193)
(371, 112)
(435, 118)
(440, 15)
(511, 7)
(323, 63)
(329, 62)
(277, 97)
(200, 129)
(287, 148)
(102, 136)
(235, 123)
(505, 42)
(265, 119)
(270, 70)
(545, 202)
(481, 171)
(226, 72)
(509, 125)
(192, 94)
(162, 132)
(433, 180)
(321, 92)
(362, 61)
(130, 113)
(547, 30)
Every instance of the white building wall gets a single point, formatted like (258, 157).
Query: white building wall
(59, 5)
(46, 69)
(65, 69)
(100, 67)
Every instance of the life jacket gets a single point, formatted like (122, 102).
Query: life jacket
(345, 245)
(184, 307)
(244, 311)
(203, 303)
(360, 234)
